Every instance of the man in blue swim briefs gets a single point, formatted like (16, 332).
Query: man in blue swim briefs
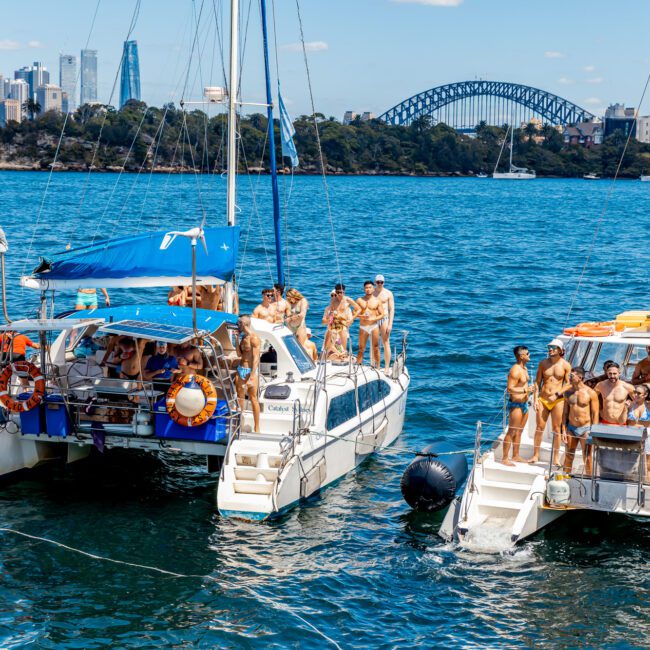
(581, 411)
(519, 389)
(247, 377)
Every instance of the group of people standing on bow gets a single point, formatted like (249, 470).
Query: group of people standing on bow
(375, 310)
(560, 393)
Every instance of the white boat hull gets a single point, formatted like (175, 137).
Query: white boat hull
(514, 176)
(262, 477)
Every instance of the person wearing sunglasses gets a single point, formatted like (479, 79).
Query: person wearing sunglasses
(638, 414)
(552, 381)
(263, 310)
(581, 412)
(386, 323)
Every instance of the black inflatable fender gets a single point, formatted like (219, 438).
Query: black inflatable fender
(431, 480)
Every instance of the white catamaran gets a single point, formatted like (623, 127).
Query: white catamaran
(317, 421)
(502, 505)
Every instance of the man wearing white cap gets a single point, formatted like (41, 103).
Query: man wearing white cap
(553, 381)
(310, 346)
(386, 323)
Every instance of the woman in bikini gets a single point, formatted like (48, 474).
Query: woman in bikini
(343, 307)
(638, 414)
(298, 307)
(177, 297)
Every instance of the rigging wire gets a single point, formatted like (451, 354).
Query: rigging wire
(56, 154)
(318, 142)
(601, 218)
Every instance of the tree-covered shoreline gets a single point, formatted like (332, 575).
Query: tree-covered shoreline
(169, 139)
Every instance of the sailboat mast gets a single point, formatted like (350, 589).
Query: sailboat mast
(274, 170)
(512, 140)
(232, 132)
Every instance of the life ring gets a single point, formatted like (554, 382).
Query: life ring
(209, 393)
(603, 328)
(17, 405)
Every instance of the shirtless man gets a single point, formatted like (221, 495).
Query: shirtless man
(518, 391)
(552, 380)
(642, 371)
(189, 357)
(580, 413)
(372, 311)
(247, 377)
(280, 309)
(615, 393)
(124, 351)
(263, 310)
(386, 323)
(211, 297)
(342, 309)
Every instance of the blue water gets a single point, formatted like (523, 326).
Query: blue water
(477, 266)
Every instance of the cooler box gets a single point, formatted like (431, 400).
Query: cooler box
(213, 430)
(57, 419)
(32, 421)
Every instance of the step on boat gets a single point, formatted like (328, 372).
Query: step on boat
(502, 505)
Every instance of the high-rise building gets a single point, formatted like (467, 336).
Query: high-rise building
(130, 73)
(17, 89)
(88, 76)
(2, 87)
(49, 97)
(36, 75)
(10, 110)
(68, 80)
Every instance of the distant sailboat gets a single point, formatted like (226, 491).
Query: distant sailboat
(591, 176)
(645, 178)
(514, 173)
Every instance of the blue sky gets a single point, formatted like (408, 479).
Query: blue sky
(364, 54)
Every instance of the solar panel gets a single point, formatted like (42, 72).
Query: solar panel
(154, 331)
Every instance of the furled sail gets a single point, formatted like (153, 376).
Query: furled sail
(138, 261)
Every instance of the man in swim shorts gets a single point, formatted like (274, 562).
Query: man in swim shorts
(386, 323)
(280, 309)
(87, 299)
(614, 393)
(552, 380)
(247, 377)
(372, 311)
(580, 413)
(518, 391)
(263, 310)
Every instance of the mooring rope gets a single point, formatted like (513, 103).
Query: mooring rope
(174, 574)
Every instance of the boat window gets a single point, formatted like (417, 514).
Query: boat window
(588, 361)
(342, 408)
(569, 347)
(580, 351)
(638, 353)
(372, 393)
(298, 354)
(610, 351)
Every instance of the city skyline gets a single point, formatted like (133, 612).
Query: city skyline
(383, 52)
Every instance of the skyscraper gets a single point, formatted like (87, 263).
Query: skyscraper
(49, 97)
(68, 80)
(130, 73)
(88, 76)
(17, 89)
(36, 75)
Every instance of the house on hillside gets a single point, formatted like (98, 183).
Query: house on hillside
(585, 134)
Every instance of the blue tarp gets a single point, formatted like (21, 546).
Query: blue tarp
(206, 319)
(139, 256)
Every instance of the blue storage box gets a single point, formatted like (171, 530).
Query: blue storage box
(213, 430)
(32, 421)
(57, 419)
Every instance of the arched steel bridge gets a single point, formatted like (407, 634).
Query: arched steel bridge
(465, 104)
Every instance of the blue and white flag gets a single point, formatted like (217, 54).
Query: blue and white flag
(286, 133)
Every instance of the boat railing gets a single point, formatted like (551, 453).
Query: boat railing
(471, 486)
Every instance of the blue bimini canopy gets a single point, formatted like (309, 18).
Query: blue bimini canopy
(138, 261)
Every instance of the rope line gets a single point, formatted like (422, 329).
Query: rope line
(318, 142)
(605, 207)
(174, 574)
